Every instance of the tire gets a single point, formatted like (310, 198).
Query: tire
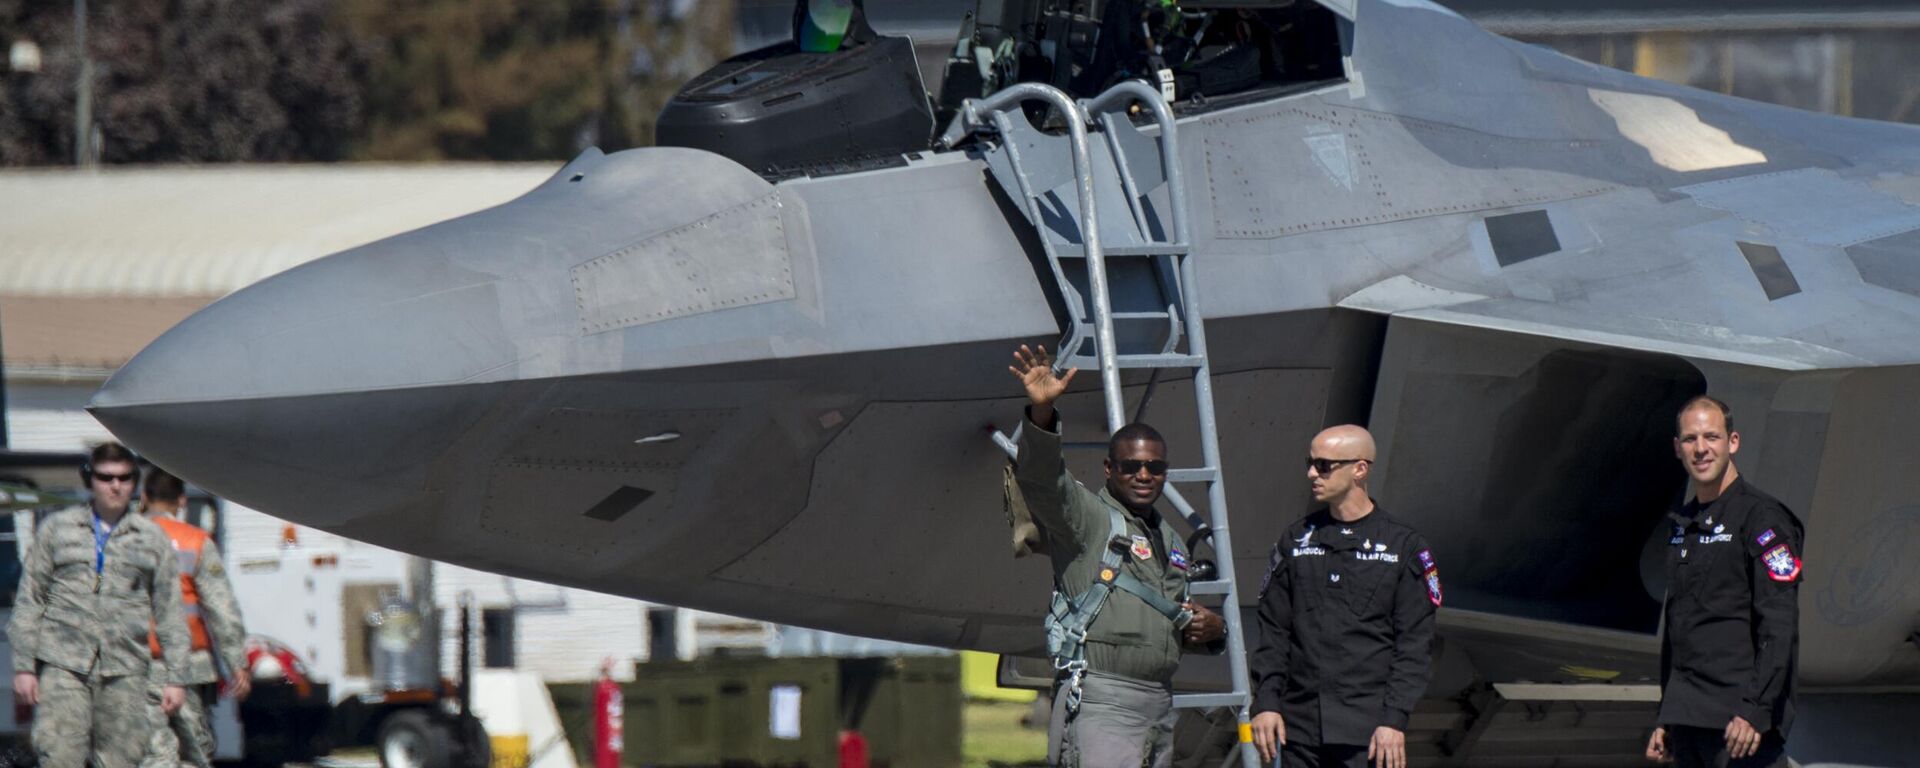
(476, 749)
(19, 754)
(411, 738)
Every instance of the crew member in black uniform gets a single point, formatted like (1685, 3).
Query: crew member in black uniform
(1346, 620)
(1733, 567)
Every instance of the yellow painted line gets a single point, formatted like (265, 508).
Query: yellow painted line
(1246, 733)
(1590, 673)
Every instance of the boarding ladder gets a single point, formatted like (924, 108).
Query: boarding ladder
(1123, 242)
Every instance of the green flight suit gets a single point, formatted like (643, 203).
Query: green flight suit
(1126, 716)
(82, 627)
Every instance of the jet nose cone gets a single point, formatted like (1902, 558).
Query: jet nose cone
(345, 383)
(334, 380)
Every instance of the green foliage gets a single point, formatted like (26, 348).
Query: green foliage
(184, 81)
(522, 79)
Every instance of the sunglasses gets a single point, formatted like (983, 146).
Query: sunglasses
(1155, 467)
(1327, 466)
(110, 479)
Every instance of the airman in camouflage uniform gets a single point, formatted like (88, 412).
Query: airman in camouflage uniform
(214, 627)
(96, 581)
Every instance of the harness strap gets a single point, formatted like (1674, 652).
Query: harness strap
(1168, 608)
(1088, 604)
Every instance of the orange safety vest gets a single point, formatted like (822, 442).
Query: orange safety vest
(187, 543)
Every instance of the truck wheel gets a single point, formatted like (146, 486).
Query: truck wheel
(411, 739)
(19, 755)
(476, 750)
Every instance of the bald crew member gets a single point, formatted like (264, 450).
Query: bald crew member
(1346, 622)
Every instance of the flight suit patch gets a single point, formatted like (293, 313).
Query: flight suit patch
(1764, 538)
(1433, 586)
(1782, 566)
(1142, 548)
(1178, 559)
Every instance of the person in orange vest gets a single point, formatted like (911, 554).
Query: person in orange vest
(213, 619)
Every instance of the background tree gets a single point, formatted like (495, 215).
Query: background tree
(524, 79)
(186, 81)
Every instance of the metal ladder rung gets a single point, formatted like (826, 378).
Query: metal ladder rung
(1233, 699)
(1195, 475)
(1077, 251)
(1208, 587)
(1141, 361)
(1159, 316)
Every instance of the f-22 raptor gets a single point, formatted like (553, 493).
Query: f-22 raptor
(755, 373)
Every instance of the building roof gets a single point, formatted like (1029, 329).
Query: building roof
(96, 264)
(67, 337)
(209, 230)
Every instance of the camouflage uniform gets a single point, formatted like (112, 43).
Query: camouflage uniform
(189, 740)
(85, 633)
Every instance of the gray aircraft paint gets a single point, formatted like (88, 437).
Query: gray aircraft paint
(477, 391)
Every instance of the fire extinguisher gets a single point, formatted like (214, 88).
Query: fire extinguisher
(608, 709)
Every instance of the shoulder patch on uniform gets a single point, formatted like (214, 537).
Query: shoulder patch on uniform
(1764, 538)
(1426, 559)
(1433, 587)
(1782, 566)
(1177, 559)
(1273, 564)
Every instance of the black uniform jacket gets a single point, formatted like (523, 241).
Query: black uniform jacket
(1732, 617)
(1346, 627)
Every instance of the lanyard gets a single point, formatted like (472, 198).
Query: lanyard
(100, 533)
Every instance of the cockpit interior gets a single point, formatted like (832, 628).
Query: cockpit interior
(838, 96)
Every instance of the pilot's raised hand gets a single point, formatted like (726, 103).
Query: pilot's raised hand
(1035, 372)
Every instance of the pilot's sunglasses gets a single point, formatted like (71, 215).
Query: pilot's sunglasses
(1155, 467)
(1327, 466)
(106, 478)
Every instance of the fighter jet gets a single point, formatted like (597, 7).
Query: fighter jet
(756, 372)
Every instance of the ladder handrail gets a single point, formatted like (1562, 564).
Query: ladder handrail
(1008, 99)
(1139, 92)
(1202, 386)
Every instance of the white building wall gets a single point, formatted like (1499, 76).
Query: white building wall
(52, 417)
(561, 634)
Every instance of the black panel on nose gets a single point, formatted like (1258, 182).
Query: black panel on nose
(1517, 237)
(619, 503)
(1776, 278)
